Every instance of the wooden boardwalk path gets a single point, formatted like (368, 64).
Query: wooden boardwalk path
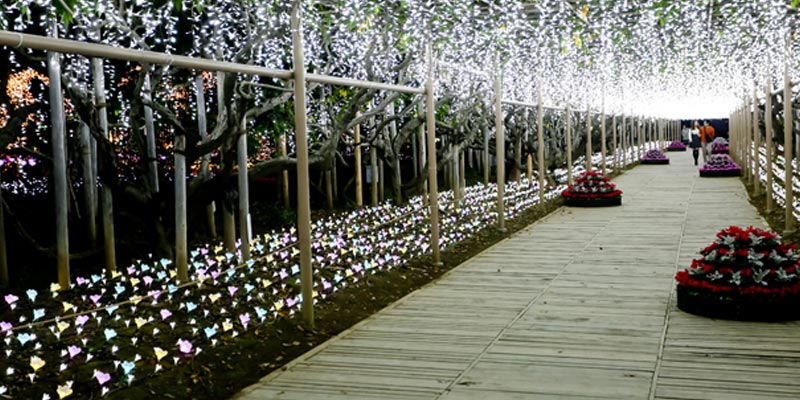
(577, 306)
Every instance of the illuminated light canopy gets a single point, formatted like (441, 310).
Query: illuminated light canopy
(672, 59)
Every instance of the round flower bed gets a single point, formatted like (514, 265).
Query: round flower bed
(592, 189)
(719, 148)
(655, 156)
(720, 140)
(720, 165)
(676, 145)
(746, 274)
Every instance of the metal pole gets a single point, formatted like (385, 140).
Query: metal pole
(500, 151)
(287, 200)
(735, 146)
(422, 151)
(569, 144)
(244, 192)
(373, 161)
(747, 131)
(150, 131)
(107, 203)
(487, 164)
(303, 201)
(787, 145)
(456, 177)
(639, 148)
(21, 40)
(530, 155)
(603, 132)
(614, 141)
(756, 143)
(770, 150)
(415, 157)
(359, 184)
(462, 183)
(624, 141)
(433, 198)
(181, 247)
(588, 138)
(540, 150)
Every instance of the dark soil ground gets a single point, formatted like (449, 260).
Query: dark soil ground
(776, 219)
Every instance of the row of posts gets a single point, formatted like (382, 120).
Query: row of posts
(745, 144)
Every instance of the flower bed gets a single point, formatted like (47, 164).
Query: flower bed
(106, 333)
(719, 148)
(676, 145)
(720, 165)
(746, 274)
(592, 189)
(655, 156)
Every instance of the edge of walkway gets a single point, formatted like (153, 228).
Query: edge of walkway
(322, 346)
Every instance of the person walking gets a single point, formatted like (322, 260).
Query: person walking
(695, 142)
(706, 137)
(686, 135)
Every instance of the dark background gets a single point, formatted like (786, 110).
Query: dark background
(720, 125)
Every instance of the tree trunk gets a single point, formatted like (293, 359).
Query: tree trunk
(202, 127)
(89, 185)
(228, 228)
(107, 203)
(381, 186)
(359, 183)
(329, 189)
(397, 182)
(335, 174)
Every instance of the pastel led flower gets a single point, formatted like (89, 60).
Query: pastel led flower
(159, 353)
(64, 391)
(37, 363)
(73, 351)
(102, 377)
(185, 346)
(10, 299)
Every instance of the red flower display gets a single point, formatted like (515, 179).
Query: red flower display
(745, 261)
(592, 185)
